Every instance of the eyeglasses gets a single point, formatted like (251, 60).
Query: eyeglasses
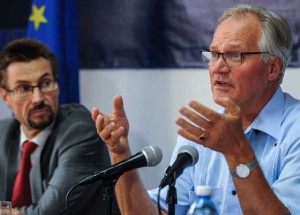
(26, 90)
(232, 59)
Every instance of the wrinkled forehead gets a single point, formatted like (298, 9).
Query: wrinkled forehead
(239, 34)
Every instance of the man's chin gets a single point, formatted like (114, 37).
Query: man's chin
(40, 124)
(219, 95)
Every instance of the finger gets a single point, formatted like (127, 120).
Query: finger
(102, 121)
(99, 123)
(195, 118)
(204, 111)
(107, 131)
(110, 133)
(231, 107)
(95, 112)
(115, 136)
(190, 136)
(196, 131)
(118, 109)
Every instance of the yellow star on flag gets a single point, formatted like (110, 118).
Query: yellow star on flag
(37, 16)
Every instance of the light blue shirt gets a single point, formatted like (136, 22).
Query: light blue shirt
(275, 138)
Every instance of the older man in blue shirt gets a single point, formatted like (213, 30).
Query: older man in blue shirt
(249, 152)
(275, 138)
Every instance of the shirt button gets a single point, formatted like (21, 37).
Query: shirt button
(233, 192)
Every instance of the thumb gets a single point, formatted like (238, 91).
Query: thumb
(229, 105)
(118, 106)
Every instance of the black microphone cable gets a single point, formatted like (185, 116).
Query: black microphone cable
(68, 194)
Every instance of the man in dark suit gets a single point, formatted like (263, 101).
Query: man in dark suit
(67, 146)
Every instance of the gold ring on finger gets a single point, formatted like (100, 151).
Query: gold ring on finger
(202, 136)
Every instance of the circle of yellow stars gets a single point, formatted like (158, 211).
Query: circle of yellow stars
(37, 16)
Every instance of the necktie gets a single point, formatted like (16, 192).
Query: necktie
(21, 192)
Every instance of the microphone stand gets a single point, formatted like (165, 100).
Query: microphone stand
(108, 197)
(172, 196)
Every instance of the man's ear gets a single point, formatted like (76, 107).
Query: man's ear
(4, 96)
(275, 69)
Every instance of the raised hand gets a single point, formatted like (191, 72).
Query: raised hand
(113, 129)
(223, 132)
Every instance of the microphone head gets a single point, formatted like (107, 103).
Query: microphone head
(152, 154)
(192, 151)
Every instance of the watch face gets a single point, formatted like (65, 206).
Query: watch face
(242, 171)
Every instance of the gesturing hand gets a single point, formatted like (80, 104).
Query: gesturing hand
(113, 129)
(223, 132)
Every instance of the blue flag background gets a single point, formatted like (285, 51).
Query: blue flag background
(54, 22)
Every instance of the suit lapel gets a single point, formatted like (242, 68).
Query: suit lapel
(41, 170)
(36, 180)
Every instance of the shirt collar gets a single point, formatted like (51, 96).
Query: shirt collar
(40, 138)
(269, 118)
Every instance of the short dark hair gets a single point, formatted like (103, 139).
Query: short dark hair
(25, 50)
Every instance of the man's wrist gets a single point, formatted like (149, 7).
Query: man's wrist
(244, 170)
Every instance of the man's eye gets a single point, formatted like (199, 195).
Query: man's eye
(23, 88)
(44, 84)
(235, 55)
(214, 55)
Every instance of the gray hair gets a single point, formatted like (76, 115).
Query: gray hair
(276, 37)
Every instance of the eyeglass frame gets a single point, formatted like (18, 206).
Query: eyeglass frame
(225, 59)
(54, 82)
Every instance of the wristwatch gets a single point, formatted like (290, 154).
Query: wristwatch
(244, 170)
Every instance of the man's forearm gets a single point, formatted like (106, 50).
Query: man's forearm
(256, 196)
(133, 198)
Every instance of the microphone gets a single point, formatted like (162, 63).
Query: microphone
(149, 156)
(187, 156)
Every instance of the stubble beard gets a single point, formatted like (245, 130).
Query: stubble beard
(43, 124)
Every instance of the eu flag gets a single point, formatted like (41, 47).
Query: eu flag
(54, 22)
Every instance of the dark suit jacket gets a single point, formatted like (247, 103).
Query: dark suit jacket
(72, 152)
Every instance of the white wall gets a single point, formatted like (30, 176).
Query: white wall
(152, 99)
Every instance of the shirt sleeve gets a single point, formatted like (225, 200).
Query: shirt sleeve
(287, 185)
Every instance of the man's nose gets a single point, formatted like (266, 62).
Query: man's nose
(220, 65)
(37, 94)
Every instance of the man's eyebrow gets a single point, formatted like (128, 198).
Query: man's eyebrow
(46, 74)
(211, 47)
